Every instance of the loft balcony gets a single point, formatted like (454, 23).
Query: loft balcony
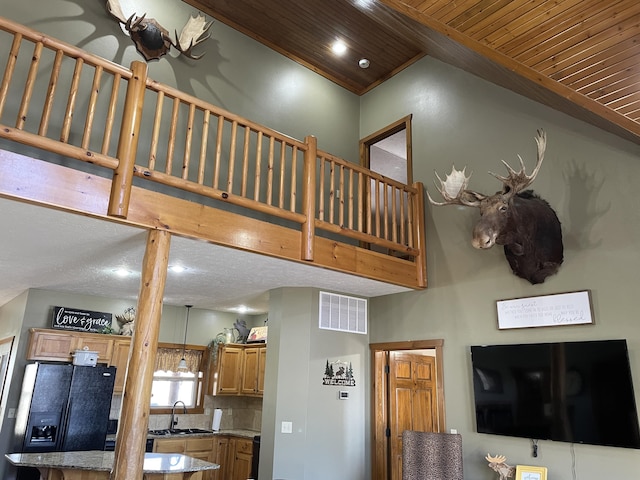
(82, 134)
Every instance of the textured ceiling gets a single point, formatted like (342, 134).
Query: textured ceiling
(54, 250)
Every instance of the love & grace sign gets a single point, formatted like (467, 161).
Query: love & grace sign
(65, 318)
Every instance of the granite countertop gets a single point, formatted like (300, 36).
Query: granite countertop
(238, 433)
(99, 461)
(235, 432)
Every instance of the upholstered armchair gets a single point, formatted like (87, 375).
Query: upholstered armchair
(431, 456)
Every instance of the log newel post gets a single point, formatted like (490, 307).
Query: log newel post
(128, 142)
(419, 241)
(134, 414)
(309, 198)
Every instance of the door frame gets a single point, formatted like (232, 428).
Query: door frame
(402, 124)
(380, 448)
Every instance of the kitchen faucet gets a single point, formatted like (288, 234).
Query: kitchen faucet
(174, 421)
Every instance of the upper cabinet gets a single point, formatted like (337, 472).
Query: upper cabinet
(240, 370)
(59, 346)
(229, 369)
(253, 370)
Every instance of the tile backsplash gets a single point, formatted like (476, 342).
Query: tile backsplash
(238, 413)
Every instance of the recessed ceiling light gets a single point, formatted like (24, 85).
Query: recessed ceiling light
(177, 268)
(122, 272)
(339, 47)
(242, 309)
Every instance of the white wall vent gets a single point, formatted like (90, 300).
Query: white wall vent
(343, 313)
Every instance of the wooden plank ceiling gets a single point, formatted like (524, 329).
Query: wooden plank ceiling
(578, 56)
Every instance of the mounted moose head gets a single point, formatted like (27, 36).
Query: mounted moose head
(520, 220)
(152, 40)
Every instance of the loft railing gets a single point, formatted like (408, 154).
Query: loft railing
(58, 98)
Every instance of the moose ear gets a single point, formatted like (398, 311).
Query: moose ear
(471, 198)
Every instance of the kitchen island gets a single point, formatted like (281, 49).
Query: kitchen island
(97, 465)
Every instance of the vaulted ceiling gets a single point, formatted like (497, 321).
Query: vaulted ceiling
(577, 56)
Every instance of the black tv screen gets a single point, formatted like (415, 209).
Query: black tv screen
(579, 392)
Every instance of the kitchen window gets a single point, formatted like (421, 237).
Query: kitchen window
(171, 384)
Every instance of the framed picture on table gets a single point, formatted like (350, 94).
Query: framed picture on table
(525, 472)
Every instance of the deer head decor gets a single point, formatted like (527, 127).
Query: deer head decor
(497, 465)
(153, 41)
(516, 218)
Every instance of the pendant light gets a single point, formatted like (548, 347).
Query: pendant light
(182, 364)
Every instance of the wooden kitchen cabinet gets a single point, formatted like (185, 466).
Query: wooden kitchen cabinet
(243, 452)
(229, 369)
(253, 370)
(240, 370)
(202, 448)
(58, 346)
(119, 359)
(54, 345)
(50, 345)
(221, 457)
(234, 455)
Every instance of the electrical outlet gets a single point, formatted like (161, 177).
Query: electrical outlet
(287, 427)
(11, 413)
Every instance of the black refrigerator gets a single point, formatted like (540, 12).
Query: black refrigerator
(64, 407)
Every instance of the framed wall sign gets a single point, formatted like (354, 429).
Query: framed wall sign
(66, 318)
(525, 472)
(573, 308)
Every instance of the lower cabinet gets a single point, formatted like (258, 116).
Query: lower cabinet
(243, 451)
(233, 454)
(221, 457)
(202, 448)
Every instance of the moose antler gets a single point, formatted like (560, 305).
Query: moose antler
(454, 190)
(193, 33)
(518, 181)
(496, 459)
(152, 40)
(497, 465)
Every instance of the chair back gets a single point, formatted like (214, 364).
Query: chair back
(431, 456)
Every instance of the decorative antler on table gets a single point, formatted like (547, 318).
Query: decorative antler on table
(497, 465)
(153, 41)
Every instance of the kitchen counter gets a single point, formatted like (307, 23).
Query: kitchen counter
(74, 465)
(235, 432)
(238, 433)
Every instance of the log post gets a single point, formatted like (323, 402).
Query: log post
(419, 241)
(134, 414)
(309, 198)
(128, 142)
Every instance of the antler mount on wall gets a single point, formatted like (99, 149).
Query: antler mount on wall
(153, 41)
(516, 218)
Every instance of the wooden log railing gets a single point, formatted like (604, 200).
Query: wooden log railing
(58, 98)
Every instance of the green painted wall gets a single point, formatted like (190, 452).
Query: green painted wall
(588, 176)
(329, 438)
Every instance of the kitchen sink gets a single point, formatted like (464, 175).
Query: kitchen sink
(179, 431)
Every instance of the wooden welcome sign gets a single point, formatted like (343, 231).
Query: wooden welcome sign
(65, 318)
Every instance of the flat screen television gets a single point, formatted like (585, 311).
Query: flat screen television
(579, 392)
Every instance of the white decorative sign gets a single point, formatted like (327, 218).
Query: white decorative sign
(545, 311)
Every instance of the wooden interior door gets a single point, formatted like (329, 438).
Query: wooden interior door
(412, 400)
